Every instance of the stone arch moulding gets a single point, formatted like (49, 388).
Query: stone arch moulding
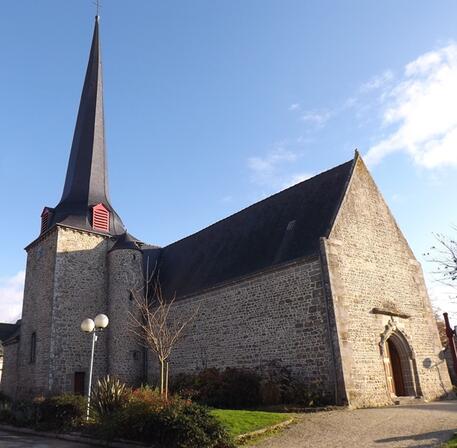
(408, 359)
(390, 329)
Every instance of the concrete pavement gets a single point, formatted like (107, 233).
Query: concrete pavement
(16, 440)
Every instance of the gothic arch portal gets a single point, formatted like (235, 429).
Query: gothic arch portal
(399, 363)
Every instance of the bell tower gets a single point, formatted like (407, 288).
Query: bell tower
(67, 274)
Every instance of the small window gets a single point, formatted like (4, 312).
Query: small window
(45, 220)
(100, 218)
(136, 355)
(33, 348)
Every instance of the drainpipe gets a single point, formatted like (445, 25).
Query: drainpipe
(450, 335)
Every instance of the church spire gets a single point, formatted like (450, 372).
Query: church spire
(86, 185)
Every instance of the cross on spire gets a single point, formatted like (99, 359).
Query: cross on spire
(98, 5)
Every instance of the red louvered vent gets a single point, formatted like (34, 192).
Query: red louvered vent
(44, 220)
(100, 218)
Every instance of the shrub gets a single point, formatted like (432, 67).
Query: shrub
(270, 393)
(230, 388)
(5, 401)
(61, 412)
(108, 396)
(6, 416)
(242, 388)
(174, 424)
(291, 390)
(23, 413)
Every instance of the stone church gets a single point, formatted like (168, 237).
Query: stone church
(318, 278)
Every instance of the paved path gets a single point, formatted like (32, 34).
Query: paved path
(421, 425)
(16, 440)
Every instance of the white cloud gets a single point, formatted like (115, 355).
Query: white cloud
(275, 171)
(294, 106)
(265, 168)
(377, 82)
(11, 293)
(316, 118)
(295, 179)
(420, 112)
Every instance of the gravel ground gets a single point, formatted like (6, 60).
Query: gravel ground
(420, 425)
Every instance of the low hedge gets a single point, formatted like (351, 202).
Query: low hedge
(244, 389)
(60, 413)
(144, 416)
(57, 413)
(175, 423)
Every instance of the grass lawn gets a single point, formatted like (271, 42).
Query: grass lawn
(452, 443)
(242, 422)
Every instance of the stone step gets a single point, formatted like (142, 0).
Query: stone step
(401, 401)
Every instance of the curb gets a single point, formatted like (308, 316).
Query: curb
(73, 437)
(259, 432)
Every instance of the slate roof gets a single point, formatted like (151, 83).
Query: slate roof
(126, 241)
(281, 228)
(7, 331)
(86, 182)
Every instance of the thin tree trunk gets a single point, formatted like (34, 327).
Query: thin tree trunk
(161, 376)
(166, 381)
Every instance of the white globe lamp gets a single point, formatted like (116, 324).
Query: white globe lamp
(101, 321)
(87, 325)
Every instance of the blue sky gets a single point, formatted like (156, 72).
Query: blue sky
(213, 105)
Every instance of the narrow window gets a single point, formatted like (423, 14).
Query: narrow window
(80, 383)
(44, 220)
(33, 347)
(100, 218)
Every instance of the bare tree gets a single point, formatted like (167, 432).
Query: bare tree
(157, 325)
(444, 256)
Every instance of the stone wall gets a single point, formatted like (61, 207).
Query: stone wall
(80, 291)
(8, 383)
(126, 355)
(372, 267)
(277, 315)
(33, 377)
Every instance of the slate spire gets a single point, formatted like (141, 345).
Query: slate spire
(86, 183)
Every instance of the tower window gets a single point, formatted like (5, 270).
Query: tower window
(45, 215)
(100, 218)
(33, 348)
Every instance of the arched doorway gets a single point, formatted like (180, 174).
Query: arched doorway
(399, 364)
(396, 374)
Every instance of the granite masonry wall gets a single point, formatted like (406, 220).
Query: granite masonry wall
(33, 377)
(279, 315)
(126, 355)
(8, 384)
(378, 289)
(80, 291)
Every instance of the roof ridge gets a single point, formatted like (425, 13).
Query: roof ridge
(256, 204)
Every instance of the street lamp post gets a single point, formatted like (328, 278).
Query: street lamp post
(450, 333)
(93, 326)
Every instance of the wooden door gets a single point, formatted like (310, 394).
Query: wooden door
(389, 372)
(397, 371)
(80, 383)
